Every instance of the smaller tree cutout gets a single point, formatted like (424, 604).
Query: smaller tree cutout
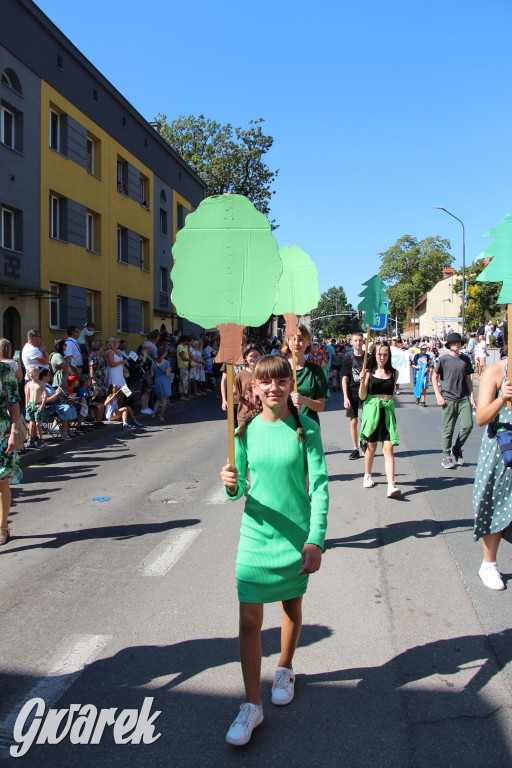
(298, 288)
(373, 300)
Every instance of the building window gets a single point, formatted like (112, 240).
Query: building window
(144, 192)
(120, 318)
(90, 155)
(11, 80)
(54, 217)
(180, 216)
(54, 305)
(89, 231)
(55, 130)
(144, 253)
(95, 95)
(122, 176)
(163, 196)
(7, 228)
(142, 318)
(90, 306)
(122, 245)
(163, 280)
(7, 127)
(60, 64)
(163, 222)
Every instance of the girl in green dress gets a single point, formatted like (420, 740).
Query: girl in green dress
(10, 470)
(283, 528)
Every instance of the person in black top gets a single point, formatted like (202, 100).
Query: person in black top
(350, 378)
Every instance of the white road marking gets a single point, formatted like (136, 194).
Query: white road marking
(68, 667)
(173, 548)
(218, 496)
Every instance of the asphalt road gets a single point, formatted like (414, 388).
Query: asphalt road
(404, 658)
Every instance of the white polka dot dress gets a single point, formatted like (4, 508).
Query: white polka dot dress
(492, 491)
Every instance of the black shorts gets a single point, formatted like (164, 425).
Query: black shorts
(381, 433)
(354, 406)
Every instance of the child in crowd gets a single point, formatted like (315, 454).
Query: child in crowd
(114, 408)
(35, 393)
(86, 395)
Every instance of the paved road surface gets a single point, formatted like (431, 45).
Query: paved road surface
(404, 659)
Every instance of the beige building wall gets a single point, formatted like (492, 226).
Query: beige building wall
(23, 312)
(441, 301)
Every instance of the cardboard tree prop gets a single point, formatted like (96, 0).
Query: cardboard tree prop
(225, 274)
(299, 292)
(499, 270)
(373, 302)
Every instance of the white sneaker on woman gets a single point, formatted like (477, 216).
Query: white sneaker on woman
(393, 491)
(241, 728)
(368, 481)
(283, 687)
(490, 576)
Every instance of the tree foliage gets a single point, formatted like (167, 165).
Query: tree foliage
(481, 297)
(413, 266)
(227, 159)
(331, 302)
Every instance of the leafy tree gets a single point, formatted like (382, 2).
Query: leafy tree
(413, 265)
(331, 302)
(481, 297)
(227, 159)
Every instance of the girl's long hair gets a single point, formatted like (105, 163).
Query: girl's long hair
(304, 332)
(372, 360)
(273, 367)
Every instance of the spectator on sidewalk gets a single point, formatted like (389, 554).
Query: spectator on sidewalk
(59, 368)
(115, 410)
(453, 386)
(84, 342)
(145, 362)
(34, 401)
(115, 363)
(161, 369)
(56, 404)
(183, 358)
(481, 355)
(72, 351)
(5, 357)
(34, 352)
(98, 370)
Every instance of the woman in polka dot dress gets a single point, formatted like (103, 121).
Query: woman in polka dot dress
(492, 492)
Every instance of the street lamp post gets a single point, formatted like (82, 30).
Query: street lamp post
(463, 313)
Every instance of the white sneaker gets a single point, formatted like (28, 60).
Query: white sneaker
(393, 491)
(368, 481)
(491, 576)
(283, 687)
(241, 729)
(147, 411)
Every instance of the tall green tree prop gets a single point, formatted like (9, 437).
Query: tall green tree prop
(499, 270)
(373, 302)
(299, 292)
(226, 273)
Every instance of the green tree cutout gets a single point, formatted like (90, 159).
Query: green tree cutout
(373, 301)
(227, 159)
(226, 268)
(298, 286)
(499, 268)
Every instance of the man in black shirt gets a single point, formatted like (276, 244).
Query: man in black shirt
(350, 378)
(454, 391)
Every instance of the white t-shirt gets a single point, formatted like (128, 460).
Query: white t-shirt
(73, 350)
(481, 350)
(29, 355)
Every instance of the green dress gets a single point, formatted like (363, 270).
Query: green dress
(312, 382)
(492, 491)
(9, 464)
(279, 516)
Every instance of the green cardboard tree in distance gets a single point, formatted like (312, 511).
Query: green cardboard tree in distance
(499, 268)
(299, 291)
(373, 298)
(226, 269)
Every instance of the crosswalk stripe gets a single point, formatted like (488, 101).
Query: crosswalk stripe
(68, 667)
(173, 548)
(218, 496)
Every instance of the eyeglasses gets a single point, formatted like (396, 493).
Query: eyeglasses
(265, 386)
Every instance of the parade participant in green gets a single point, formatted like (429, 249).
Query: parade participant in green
(312, 387)
(283, 529)
(378, 421)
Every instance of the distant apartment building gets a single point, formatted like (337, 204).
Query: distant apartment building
(440, 307)
(91, 196)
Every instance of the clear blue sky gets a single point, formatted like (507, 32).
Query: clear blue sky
(378, 110)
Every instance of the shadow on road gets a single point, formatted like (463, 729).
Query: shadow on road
(374, 538)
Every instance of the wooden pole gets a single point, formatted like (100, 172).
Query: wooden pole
(291, 342)
(509, 343)
(366, 346)
(230, 380)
